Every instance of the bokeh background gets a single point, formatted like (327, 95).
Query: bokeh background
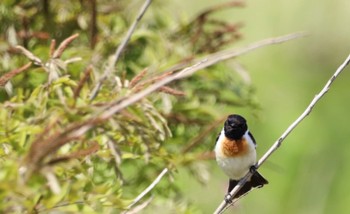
(310, 173)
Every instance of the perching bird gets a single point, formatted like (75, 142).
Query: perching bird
(235, 153)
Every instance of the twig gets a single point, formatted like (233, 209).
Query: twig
(171, 91)
(149, 188)
(137, 78)
(6, 77)
(58, 52)
(29, 55)
(120, 49)
(223, 206)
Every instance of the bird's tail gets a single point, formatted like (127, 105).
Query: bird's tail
(256, 181)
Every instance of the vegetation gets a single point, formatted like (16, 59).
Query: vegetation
(63, 150)
(60, 150)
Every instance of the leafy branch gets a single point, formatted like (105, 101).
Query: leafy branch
(50, 141)
(80, 153)
(223, 206)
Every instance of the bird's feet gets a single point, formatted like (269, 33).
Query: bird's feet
(228, 198)
(252, 169)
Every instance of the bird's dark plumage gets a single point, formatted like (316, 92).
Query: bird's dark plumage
(235, 152)
(256, 181)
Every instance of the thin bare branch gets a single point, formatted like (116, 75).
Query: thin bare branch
(223, 206)
(149, 188)
(120, 49)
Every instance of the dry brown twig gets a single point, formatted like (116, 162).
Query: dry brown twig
(6, 77)
(59, 51)
(223, 206)
(137, 78)
(171, 91)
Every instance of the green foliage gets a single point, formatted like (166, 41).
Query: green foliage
(43, 167)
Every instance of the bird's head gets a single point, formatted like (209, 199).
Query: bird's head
(235, 126)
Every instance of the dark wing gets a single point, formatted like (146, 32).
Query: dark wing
(217, 138)
(251, 136)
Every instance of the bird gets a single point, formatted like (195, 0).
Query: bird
(235, 153)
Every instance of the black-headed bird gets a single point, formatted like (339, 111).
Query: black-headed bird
(235, 152)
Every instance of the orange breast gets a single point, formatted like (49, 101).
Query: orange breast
(234, 148)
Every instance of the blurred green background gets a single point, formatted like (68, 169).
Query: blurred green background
(309, 173)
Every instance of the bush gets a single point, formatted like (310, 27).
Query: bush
(62, 148)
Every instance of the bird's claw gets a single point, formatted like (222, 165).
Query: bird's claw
(252, 169)
(228, 198)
